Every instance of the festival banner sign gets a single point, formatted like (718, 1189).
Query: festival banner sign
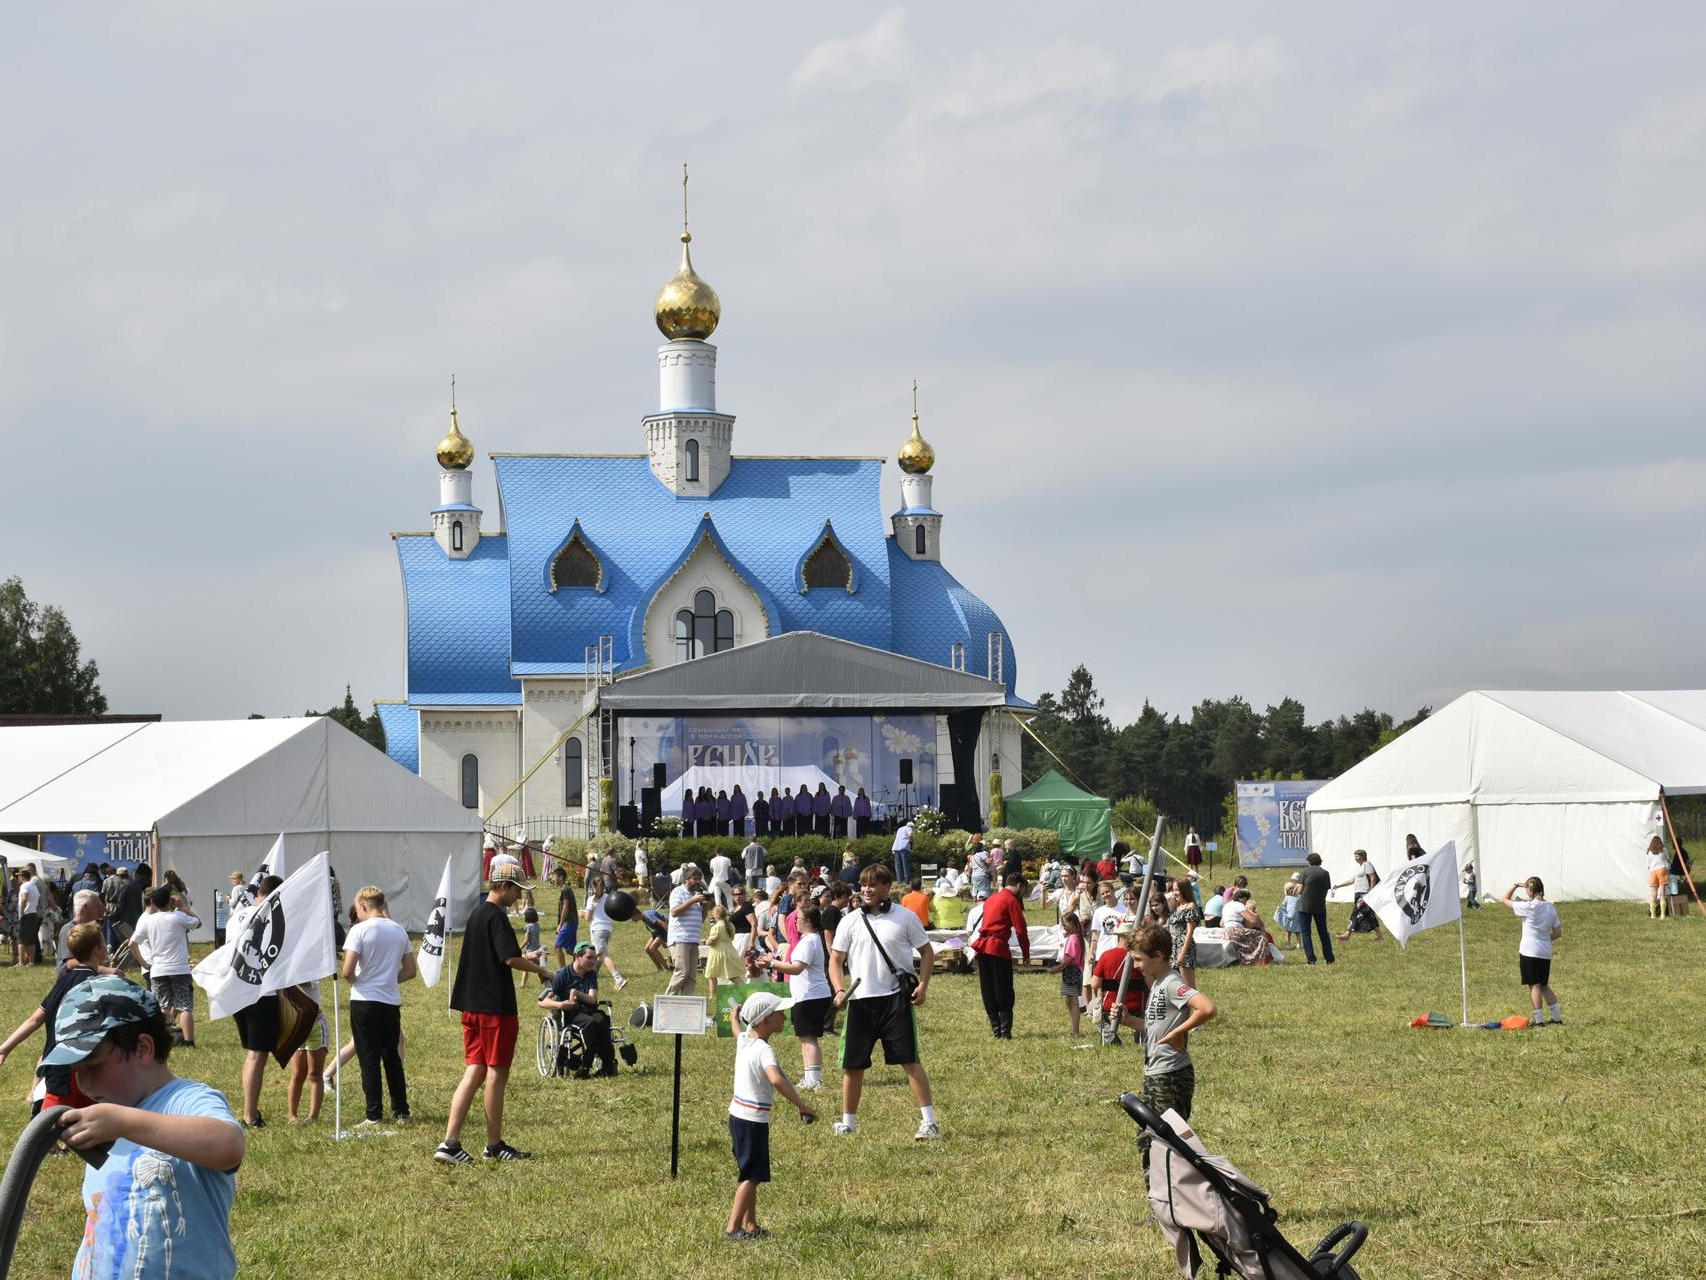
(1273, 829)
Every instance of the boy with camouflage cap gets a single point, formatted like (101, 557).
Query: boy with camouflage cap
(159, 1202)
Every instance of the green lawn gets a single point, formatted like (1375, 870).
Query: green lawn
(1562, 1152)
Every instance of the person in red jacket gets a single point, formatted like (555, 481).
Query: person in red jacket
(1003, 914)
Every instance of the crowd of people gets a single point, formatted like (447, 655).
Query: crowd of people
(847, 950)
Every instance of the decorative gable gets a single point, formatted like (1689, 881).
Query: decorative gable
(575, 564)
(827, 564)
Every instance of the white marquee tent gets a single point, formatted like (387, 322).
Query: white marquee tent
(1565, 786)
(219, 792)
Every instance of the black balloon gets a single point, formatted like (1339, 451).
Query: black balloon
(620, 905)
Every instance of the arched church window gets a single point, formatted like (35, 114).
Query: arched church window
(703, 629)
(692, 459)
(827, 566)
(576, 566)
(918, 540)
(456, 535)
(574, 774)
(470, 781)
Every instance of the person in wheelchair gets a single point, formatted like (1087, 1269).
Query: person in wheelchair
(573, 999)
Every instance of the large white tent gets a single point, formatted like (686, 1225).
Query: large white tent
(1565, 786)
(219, 792)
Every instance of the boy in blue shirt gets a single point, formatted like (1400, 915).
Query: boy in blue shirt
(160, 1201)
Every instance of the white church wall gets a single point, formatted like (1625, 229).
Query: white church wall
(552, 706)
(705, 570)
(493, 737)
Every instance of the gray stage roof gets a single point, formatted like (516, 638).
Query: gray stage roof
(804, 670)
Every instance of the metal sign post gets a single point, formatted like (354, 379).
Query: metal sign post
(678, 1016)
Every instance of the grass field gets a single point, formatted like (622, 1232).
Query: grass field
(1563, 1152)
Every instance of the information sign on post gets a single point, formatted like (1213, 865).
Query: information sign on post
(678, 1016)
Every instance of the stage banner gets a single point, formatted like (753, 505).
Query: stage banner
(1272, 827)
(121, 848)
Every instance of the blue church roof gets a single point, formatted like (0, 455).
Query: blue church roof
(402, 724)
(458, 623)
(764, 518)
(477, 625)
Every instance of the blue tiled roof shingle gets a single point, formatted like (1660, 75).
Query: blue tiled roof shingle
(402, 726)
(458, 623)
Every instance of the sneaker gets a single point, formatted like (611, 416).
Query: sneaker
(503, 1151)
(453, 1153)
(758, 1233)
(842, 1128)
(403, 1118)
(927, 1132)
(736, 1234)
(621, 982)
(810, 1088)
(367, 1125)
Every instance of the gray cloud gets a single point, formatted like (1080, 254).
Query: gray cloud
(1264, 353)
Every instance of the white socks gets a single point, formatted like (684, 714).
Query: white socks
(929, 1114)
(848, 1120)
(814, 1077)
(1556, 1016)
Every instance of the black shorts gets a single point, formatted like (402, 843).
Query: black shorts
(1536, 970)
(257, 1026)
(751, 1142)
(885, 1018)
(29, 929)
(811, 1017)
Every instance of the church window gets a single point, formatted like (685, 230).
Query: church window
(918, 541)
(827, 566)
(692, 460)
(470, 781)
(574, 775)
(456, 535)
(576, 566)
(703, 629)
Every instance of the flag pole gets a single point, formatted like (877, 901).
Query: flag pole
(337, 1064)
(1463, 961)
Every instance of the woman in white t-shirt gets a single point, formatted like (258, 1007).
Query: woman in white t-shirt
(1540, 929)
(808, 984)
(601, 926)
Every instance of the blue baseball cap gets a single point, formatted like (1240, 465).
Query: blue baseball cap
(93, 1009)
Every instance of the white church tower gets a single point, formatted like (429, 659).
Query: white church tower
(917, 525)
(455, 520)
(688, 441)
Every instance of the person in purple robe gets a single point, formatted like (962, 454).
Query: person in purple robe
(689, 814)
(781, 812)
(820, 809)
(840, 809)
(803, 811)
(737, 812)
(723, 813)
(704, 812)
(861, 813)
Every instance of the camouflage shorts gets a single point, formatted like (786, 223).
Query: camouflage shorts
(1172, 1090)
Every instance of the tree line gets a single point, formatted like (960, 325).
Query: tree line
(1186, 768)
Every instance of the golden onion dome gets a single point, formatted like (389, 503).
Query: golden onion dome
(916, 455)
(455, 451)
(686, 306)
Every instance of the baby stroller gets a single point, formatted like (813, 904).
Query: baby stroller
(562, 1048)
(1199, 1197)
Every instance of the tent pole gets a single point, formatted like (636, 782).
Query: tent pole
(337, 1064)
(1676, 843)
(1463, 961)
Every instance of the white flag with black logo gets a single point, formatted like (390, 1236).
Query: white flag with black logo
(283, 940)
(1418, 895)
(430, 960)
(271, 865)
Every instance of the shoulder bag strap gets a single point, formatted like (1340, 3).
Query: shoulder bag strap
(866, 916)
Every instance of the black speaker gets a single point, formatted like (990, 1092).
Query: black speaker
(660, 776)
(651, 805)
(906, 771)
(628, 821)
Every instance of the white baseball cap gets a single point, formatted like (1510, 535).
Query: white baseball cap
(760, 1005)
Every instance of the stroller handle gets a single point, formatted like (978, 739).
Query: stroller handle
(1325, 1260)
(1143, 1113)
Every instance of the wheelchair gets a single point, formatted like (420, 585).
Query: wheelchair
(562, 1048)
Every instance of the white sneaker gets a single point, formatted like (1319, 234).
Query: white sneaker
(810, 1088)
(927, 1132)
(841, 1128)
(621, 982)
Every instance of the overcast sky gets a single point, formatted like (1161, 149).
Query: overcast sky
(1355, 353)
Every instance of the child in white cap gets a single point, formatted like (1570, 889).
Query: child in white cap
(757, 1077)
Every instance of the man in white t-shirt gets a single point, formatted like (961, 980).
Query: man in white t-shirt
(1540, 929)
(377, 956)
(29, 915)
(162, 942)
(873, 949)
(688, 903)
(1106, 920)
(720, 864)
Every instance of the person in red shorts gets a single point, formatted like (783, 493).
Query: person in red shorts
(485, 993)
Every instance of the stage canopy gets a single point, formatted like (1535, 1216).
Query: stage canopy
(1562, 785)
(803, 670)
(219, 792)
(1084, 821)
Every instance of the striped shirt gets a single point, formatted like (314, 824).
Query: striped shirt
(689, 926)
(753, 1091)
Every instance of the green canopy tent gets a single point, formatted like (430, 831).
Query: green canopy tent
(1085, 822)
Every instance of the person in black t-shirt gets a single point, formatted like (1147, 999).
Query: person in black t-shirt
(485, 993)
(88, 952)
